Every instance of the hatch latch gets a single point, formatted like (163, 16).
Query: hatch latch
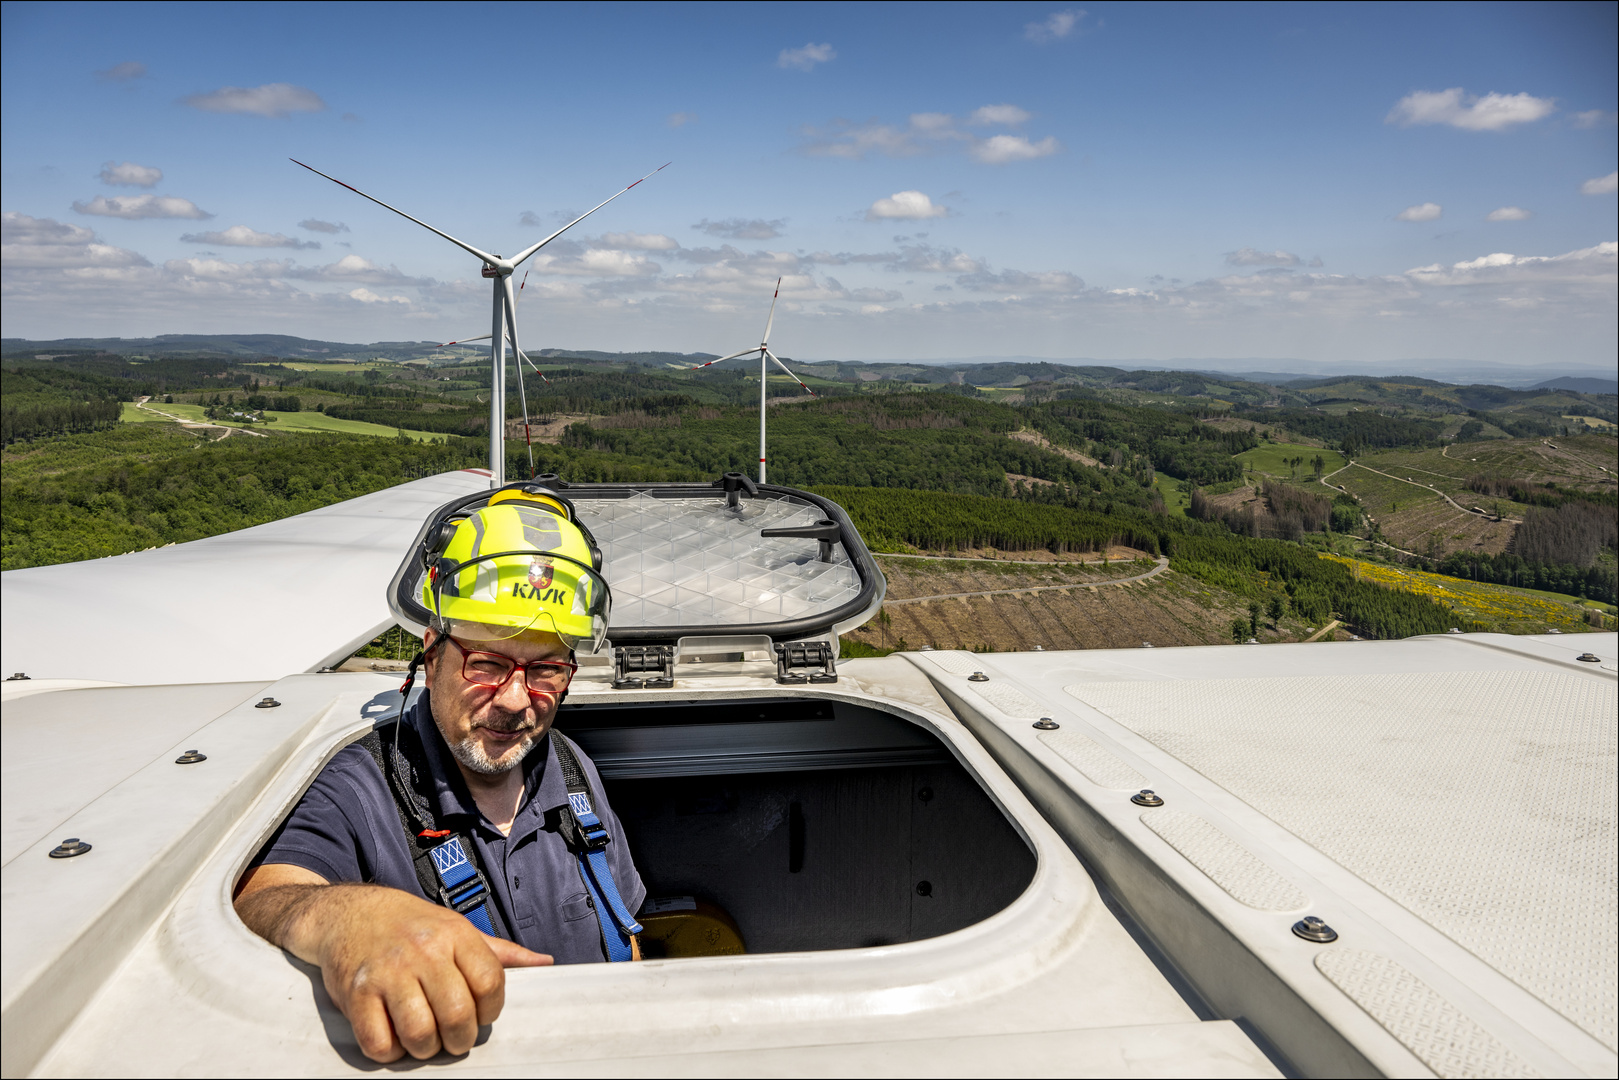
(797, 661)
(643, 667)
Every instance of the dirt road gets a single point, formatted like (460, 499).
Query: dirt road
(1163, 564)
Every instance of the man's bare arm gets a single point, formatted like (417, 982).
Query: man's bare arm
(411, 977)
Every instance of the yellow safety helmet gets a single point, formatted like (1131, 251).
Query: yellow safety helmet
(519, 563)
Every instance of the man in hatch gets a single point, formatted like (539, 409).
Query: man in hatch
(464, 837)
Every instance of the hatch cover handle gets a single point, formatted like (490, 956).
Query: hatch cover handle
(827, 532)
(796, 659)
(735, 484)
(643, 667)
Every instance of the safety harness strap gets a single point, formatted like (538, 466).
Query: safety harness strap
(446, 862)
(588, 838)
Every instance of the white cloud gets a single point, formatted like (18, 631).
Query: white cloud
(271, 99)
(680, 119)
(366, 296)
(317, 225)
(999, 116)
(129, 174)
(928, 132)
(1593, 265)
(1421, 212)
(932, 122)
(1508, 213)
(38, 243)
(1000, 149)
(597, 262)
(631, 241)
(1595, 118)
(242, 236)
(905, 205)
(212, 269)
(129, 69)
(743, 228)
(135, 207)
(1055, 26)
(1492, 112)
(806, 58)
(1250, 257)
(357, 269)
(1018, 282)
(925, 259)
(1602, 185)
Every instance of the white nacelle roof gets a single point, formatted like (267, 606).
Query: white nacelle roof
(291, 595)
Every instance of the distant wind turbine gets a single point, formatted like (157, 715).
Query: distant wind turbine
(763, 349)
(499, 269)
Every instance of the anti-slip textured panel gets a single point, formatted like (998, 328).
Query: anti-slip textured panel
(1099, 766)
(1227, 863)
(1432, 1028)
(692, 562)
(1010, 700)
(1483, 801)
(956, 663)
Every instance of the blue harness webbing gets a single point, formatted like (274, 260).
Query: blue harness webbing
(589, 839)
(461, 887)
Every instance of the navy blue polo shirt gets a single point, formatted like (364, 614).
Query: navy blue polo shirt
(346, 828)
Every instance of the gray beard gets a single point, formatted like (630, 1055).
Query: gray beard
(470, 753)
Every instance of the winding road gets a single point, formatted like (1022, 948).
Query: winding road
(1426, 487)
(1163, 564)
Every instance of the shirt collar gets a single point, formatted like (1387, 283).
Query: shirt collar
(543, 786)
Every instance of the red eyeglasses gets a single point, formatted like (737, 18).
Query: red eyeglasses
(495, 671)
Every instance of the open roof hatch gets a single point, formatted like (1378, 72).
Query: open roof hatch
(727, 559)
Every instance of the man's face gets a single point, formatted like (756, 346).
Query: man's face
(490, 730)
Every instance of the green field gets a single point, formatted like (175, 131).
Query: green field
(1170, 488)
(314, 421)
(281, 421)
(1271, 459)
(132, 414)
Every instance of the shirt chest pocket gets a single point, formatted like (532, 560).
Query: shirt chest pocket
(576, 907)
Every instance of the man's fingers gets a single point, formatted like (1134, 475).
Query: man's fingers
(372, 1031)
(511, 954)
(454, 1011)
(486, 978)
(413, 1020)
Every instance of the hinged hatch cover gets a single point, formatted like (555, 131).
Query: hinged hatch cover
(682, 560)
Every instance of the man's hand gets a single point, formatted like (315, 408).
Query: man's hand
(411, 977)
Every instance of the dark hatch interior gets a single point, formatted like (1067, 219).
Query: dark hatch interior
(815, 824)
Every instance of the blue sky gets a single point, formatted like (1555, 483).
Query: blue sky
(1114, 181)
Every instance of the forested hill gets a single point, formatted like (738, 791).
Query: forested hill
(1058, 465)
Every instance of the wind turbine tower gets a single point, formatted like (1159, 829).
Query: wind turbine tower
(763, 349)
(503, 320)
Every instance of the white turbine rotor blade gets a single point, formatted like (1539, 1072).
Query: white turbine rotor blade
(535, 366)
(722, 359)
(511, 334)
(483, 255)
(463, 341)
(772, 320)
(790, 375)
(518, 259)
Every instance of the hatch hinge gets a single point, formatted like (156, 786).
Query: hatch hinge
(643, 667)
(795, 659)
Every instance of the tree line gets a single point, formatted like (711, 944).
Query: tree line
(1597, 581)
(145, 485)
(890, 519)
(1313, 587)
